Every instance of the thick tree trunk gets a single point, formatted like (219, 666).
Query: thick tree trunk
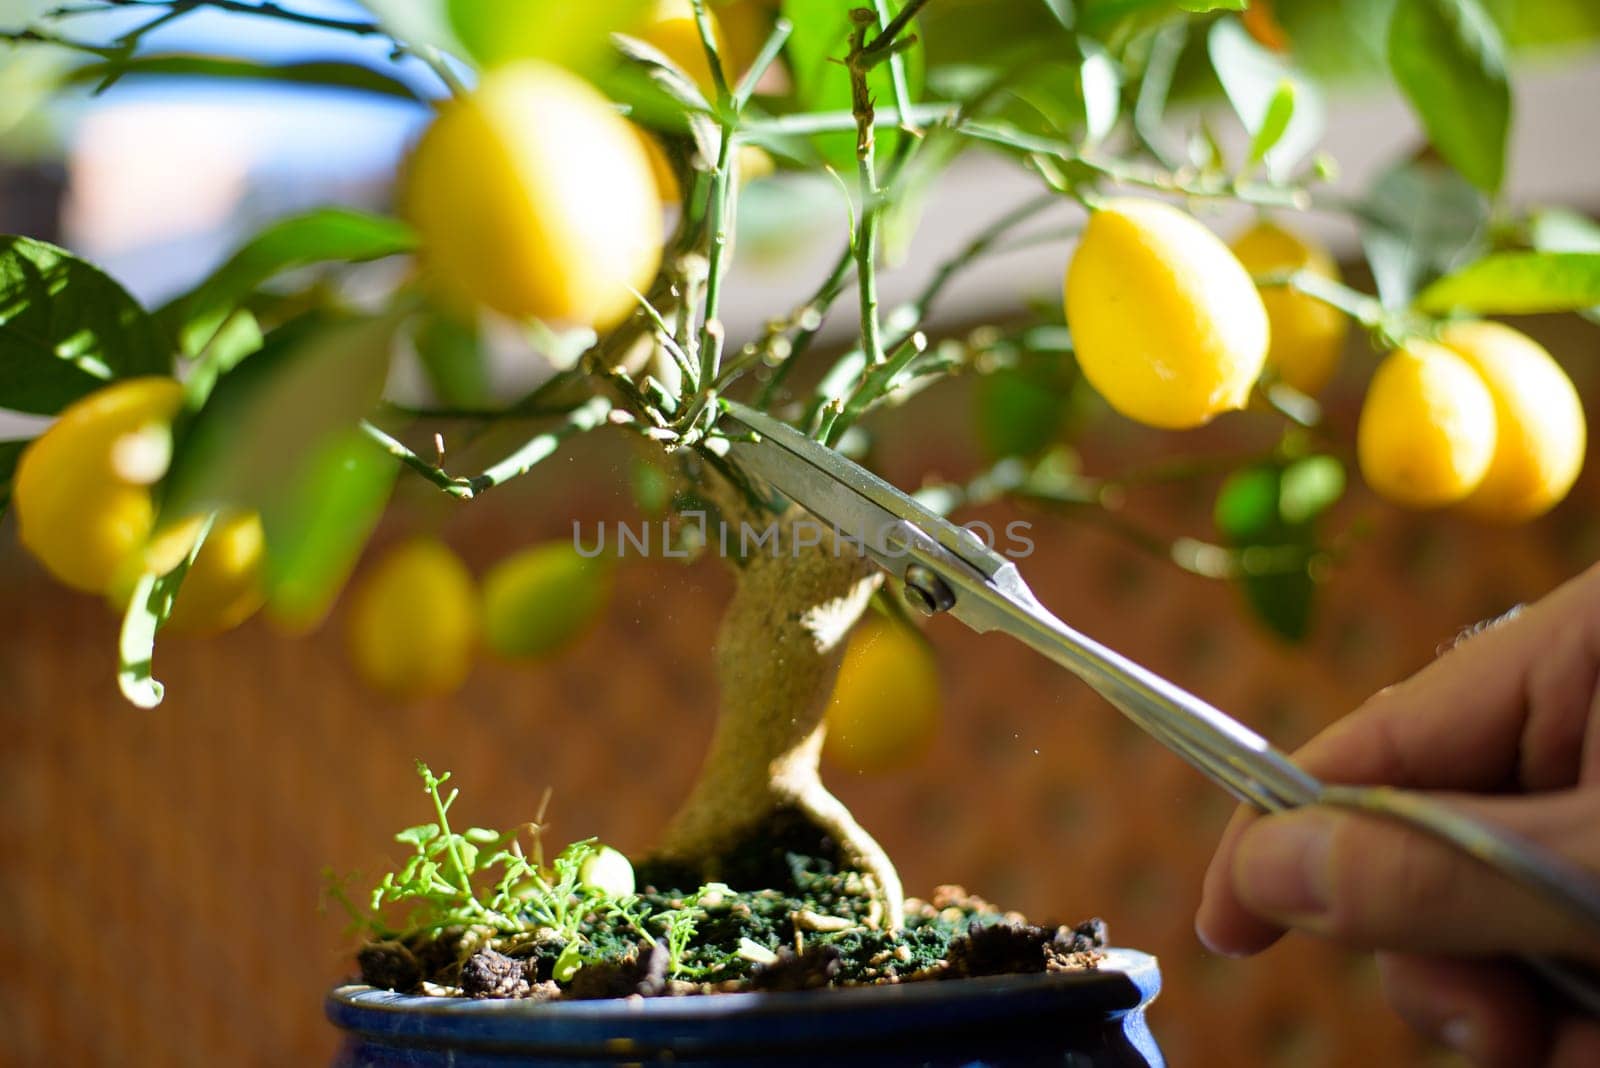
(777, 653)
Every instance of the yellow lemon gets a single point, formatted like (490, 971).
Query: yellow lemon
(670, 28)
(753, 163)
(81, 489)
(413, 621)
(224, 586)
(534, 197)
(666, 179)
(885, 705)
(1427, 429)
(1541, 435)
(1307, 336)
(540, 599)
(745, 25)
(1167, 324)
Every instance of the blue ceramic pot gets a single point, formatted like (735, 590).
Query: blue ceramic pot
(1079, 1019)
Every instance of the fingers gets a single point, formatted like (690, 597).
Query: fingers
(1515, 706)
(1576, 1045)
(1225, 925)
(1485, 1011)
(1508, 707)
(1377, 884)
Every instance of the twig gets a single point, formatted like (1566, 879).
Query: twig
(781, 30)
(886, 37)
(838, 121)
(586, 416)
(866, 243)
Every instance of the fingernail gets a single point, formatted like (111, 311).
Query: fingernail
(1281, 864)
(1460, 1034)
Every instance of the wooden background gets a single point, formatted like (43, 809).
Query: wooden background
(159, 904)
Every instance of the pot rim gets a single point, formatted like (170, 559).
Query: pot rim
(1125, 982)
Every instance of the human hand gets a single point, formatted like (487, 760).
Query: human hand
(1506, 726)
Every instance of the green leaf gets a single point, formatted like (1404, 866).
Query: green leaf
(328, 74)
(316, 529)
(238, 336)
(1308, 488)
(1247, 505)
(1063, 11)
(1421, 220)
(312, 382)
(651, 485)
(1267, 514)
(1100, 82)
(66, 329)
(567, 962)
(327, 234)
(10, 453)
(1449, 61)
(148, 608)
(1024, 410)
(573, 33)
(416, 22)
(1279, 113)
(1285, 125)
(1283, 601)
(1556, 230)
(1519, 283)
(1203, 6)
(418, 836)
(452, 356)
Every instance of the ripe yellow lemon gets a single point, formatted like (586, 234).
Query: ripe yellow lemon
(413, 621)
(1167, 324)
(885, 705)
(1541, 436)
(534, 197)
(666, 179)
(753, 163)
(1307, 336)
(670, 28)
(81, 490)
(745, 26)
(538, 600)
(1427, 429)
(224, 586)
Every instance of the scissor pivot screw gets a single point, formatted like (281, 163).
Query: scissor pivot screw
(927, 592)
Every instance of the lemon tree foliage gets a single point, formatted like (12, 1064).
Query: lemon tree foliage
(579, 184)
(67, 329)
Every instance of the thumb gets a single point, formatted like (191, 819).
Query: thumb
(1378, 884)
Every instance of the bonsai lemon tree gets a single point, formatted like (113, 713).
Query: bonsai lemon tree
(580, 179)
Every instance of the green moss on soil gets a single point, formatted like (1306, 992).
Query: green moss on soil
(816, 926)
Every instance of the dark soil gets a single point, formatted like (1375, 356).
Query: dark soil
(815, 926)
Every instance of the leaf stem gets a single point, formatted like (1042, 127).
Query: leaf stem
(764, 58)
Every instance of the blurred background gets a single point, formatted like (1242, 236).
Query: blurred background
(160, 904)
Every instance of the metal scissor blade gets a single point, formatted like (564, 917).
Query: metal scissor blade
(986, 592)
(856, 502)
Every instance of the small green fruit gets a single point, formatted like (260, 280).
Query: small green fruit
(607, 872)
(537, 601)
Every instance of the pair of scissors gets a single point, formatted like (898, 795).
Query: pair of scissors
(945, 568)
